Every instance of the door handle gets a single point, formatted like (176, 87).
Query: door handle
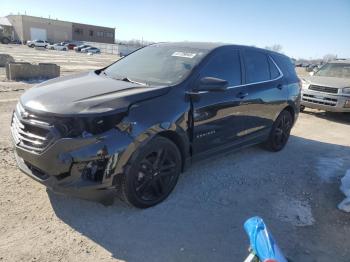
(242, 95)
(279, 86)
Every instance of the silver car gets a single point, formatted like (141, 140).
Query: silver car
(329, 88)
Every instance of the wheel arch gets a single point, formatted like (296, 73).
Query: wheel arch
(291, 110)
(179, 142)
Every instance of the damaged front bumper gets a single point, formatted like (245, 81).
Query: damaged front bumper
(82, 167)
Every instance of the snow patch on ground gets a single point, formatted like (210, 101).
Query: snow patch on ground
(294, 211)
(345, 188)
(327, 167)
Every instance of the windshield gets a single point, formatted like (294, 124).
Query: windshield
(158, 64)
(335, 70)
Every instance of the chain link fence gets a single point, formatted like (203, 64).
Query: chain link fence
(117, 49)
(105, 48)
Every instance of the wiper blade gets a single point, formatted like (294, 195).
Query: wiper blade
(126, 79)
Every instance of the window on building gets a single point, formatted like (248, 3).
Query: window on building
(91, 33)
(99, 34)
(78, 31)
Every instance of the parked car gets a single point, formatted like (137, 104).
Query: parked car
(91, 49)
(37, 43)
(17, 42)
(134, 126)
(71, 46)
(78, 48)
(329, 88)
(59, 47)
(311, 67)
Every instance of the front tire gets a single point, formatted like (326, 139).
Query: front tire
(5, 41)
(280, 132)
(152, 173)
(302, 108)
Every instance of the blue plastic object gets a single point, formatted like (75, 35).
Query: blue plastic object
(261, 240)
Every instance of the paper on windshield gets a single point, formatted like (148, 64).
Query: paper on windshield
(183, 54)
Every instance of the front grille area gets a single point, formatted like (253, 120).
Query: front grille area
(30, 132)
(325, 89)
(319, 100)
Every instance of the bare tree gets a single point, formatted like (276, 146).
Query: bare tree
(275, 47)
(329, 57)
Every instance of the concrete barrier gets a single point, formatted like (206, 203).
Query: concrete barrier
(5, 59)
(27, 71)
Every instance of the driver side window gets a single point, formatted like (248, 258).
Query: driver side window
(225, 65)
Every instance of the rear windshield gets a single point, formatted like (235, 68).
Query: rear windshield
(335, 70)
(157, 64)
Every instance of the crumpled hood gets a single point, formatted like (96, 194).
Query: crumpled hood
(86, 93)
(336, 82)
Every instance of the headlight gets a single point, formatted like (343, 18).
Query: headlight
(87, 126)
(346, 90)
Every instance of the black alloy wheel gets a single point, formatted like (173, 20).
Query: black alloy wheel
(280, 131)
(152, 173)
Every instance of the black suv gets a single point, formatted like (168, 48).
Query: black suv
(132, 127)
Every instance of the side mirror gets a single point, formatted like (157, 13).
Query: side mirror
(211, 84)
(311, 73)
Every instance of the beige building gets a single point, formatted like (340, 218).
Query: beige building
(31, 28)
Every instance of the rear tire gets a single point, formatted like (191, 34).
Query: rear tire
(280, 132)
(151, 174)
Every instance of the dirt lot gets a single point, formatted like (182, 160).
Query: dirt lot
(296, 191)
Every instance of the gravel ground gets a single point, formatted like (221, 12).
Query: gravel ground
(296, 191)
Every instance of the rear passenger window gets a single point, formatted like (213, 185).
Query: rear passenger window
(256, 66)
(274, 73)
(224, 65)
(287, 67)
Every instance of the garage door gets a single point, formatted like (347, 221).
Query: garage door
(38, 34)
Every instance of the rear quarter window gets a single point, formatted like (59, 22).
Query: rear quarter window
(274, 72)
(287, 67)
